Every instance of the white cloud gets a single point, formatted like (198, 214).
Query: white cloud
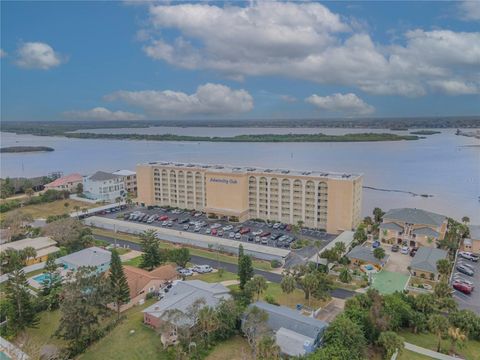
(3, 53)
(101, 113)
(209, 99)
(347, 104)
(469, 10)
(454, 87)
(37, 55)
(307, 41)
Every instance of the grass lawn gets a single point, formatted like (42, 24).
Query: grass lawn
(133, 262)
(235, 348)
(122, 251)
(290, 300)
(52, 208)
(214, 277)
(470, 350)
(410, 355)
(213, 255)
(387, 282)
(120, 344)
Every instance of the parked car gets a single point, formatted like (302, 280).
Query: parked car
(227, 228)
(265, 240)
(256, 233)
(186, 227)
(250, 238)
(265, 233)
(185, 272)
(202, 269)
(469, 256)
(197, 228)
(413, 251)
(395, 248)
(376, 244)
(257, 239)
(405, 250)
(275, 237)
(465, 270)
(163, 218)
(282, 227)
(462, 287)
(184, 221)
(197, 214)
(288, 227)
(238, 236)
(276, 225)
(465, 281)
(220, 232)
(231, 235)
(208, 231)
(214, 232)
(244, 230)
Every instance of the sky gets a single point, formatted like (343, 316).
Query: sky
(135, 60)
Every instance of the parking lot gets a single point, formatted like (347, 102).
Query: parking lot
(471, 301)
(267, 234)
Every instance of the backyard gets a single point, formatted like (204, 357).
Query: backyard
(387, 282)
(41, 211)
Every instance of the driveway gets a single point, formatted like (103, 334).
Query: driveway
(333, 308)
(397, 262)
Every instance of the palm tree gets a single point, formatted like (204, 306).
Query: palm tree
(379, 253)
(207, 322)
(443, 267)
(28, 253)
(118, 199)
(438, 325)
(465, 220)
(345, 275)
(456, 335)
(308, 283)
(288, 284)
(257, 285)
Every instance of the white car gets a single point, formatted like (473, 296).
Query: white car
(197, 214)
(256, 233)
(202, 269)
(227, 228)
(186, 226)
(215, 226)
(405, 250)
(185, 272)
(468, 255)
(276, 225)
(231, 235)
(165, 223)
(238, 236)
(257, 239)
(197, 229)
(208, 231)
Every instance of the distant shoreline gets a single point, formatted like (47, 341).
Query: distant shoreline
(24, 149)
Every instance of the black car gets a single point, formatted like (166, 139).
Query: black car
(275, 236)
(184, 221)
(250, 238)
(395, 248)
(283, 226)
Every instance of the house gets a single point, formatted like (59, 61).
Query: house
(424, 263)
(129, 179)
(142, 282)
(68, 183)
(104, 186)
(472, 244)
(295, 334)
(92, 256)
(413, 227)
(42, 245)
(180, 299)
(361, 255)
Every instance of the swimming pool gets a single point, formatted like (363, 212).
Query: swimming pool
(369, 267)
(4, 356)
(41, 278)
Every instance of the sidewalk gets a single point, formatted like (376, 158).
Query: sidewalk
(427, 352)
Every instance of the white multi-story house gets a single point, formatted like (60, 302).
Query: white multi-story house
(130, 180)
(104, 186)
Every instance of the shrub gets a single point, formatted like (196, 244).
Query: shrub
(271, 300)
(275, 264)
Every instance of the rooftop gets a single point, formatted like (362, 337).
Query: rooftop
(124, 172)
(255, 170)
(426, 231)
(65, 180)
(184, 293)
(365, 254)
(138, 278)
(37, 243)
(415, 216)
(92, 256)
(390, 226)
(284, 317)
(426, 259)
(102, 176)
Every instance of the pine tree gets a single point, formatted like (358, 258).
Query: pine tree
(120, 291)
(151, 257)
(240, 252)
(52, 283)
(21, 313)
(245, 270)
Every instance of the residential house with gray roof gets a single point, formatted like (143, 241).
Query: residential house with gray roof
(104, 186)
(361, 255)
(93, 256)
(295, 334)
(424, 263)
(413, 227)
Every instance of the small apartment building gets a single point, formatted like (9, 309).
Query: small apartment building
(93, 256)
(415, 227)
(68, 183)
(103, 186)
(142, 282)
(472, 244)
(44, 246)
(424, 263)
(363, 255)
(323, 200)
(129, 179)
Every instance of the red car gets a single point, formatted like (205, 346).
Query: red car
(213, 232)
(244, 230)
(163, 218)
(464, 288)
(265, 234)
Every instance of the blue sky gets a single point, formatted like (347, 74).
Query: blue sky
(124, 61)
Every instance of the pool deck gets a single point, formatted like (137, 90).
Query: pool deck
(387, 282)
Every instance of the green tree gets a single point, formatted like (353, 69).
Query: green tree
(256, 285)
(70, 233)
(360, 236)
(151, 257)
(79, 189)
(378, 215)
(229, 313)
(343, 333)
(254, 327)
(51, 286)
(245, 270)
(288, 284)
(180, 256)
(456, 336)
(21, 312)
(465, 219)
(308, 284)
(390, 342)
(379, 253)
(268, 348)
(119, 289)
(207, 323)
(467, 321)
(241, 251)
(443, 268)
(345, 275)
(438, 325)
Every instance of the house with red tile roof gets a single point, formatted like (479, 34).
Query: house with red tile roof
(69, 183)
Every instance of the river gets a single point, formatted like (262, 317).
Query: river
(443, 165)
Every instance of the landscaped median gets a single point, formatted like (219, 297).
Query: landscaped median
(213, 254)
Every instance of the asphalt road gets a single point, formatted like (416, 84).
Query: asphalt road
(277, 278)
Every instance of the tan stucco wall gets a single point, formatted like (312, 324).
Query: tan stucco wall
(227, 191)
(145, 189)
(343, 210)
(426, 274)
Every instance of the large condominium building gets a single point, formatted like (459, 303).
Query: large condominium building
(328, 201)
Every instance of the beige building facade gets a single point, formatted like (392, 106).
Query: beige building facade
(328, 201)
